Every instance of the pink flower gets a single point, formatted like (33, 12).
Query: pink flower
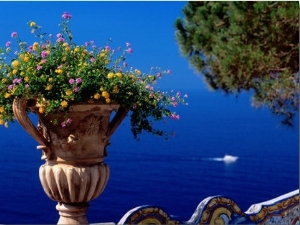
(44, 54)
(69, 121)
(168, 71)
(60, 39)
(92, 59)
(59, 35)
(66, 15)
(127, 44)
(129, 50)
(63, 124)
(10, 87)
(107, 48)
(27, 86)
(8, 44)
(39, 67)
(158, 75)
(76, 89)
(174, 116)
(17, 80)
(71, 81)
(14, 34)
(78, 80)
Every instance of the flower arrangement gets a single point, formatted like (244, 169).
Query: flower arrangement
(57, 73)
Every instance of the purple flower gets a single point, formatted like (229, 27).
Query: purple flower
(168, 71)
(10, 87)
(30, 49)
(63, 124)
(69, 121)
(78, 80)
(107, 48)
(14, 34)
(60, 39)
(39, 67)
(17, 80)
(66, 15)
(76, 89)
(59, 35)
(44, 54)
(127, 44)
(125, 64)
(8, 44)
(71, 81)
(158, 75)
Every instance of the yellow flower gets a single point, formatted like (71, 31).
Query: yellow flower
(42, 109)
(59, 71)
(110, 75)
(76, 49)
(22, 73)
(35, 46)
(26, 58)
(138, 72)
(96, 96)
(50, 79)
(119, 74)
(1, 109)
(4, 80)
(107, 100)
(49, 87)
(1, 122)
(105, 94)
(32, 24)
(68, 92)
(26, 79)
(65, 44)
(64, 103)
(15, 71)
(15, 63)
(7, 95)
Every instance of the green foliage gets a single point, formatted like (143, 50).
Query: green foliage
(245, 46)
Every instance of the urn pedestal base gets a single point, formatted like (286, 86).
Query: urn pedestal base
(74, 213)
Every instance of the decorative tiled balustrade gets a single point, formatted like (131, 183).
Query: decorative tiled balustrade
(221, 210)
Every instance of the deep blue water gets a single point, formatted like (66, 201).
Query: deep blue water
(173, 174)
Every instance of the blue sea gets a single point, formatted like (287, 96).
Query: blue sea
(175, 174)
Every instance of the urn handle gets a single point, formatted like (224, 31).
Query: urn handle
(19, 108)
(117, 119)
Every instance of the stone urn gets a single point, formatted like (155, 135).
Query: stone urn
(74, 172)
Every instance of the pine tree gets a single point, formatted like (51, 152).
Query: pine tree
(246, 45)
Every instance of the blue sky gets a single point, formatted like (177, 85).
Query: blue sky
(148, 26)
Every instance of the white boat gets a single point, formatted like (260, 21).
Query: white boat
(230, 158)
